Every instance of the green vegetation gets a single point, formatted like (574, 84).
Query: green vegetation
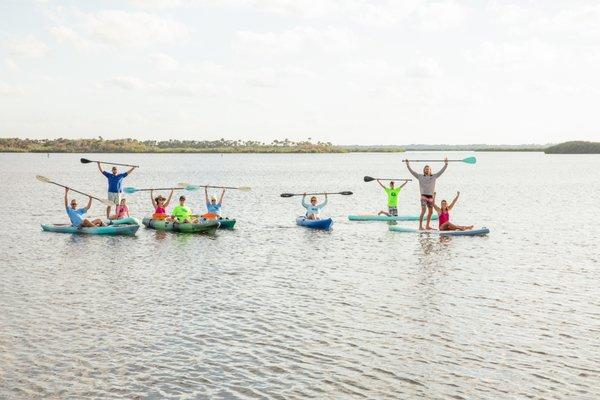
(168, 146)
(575, 147)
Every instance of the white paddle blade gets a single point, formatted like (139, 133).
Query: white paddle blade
(245, 188)
(42, 178)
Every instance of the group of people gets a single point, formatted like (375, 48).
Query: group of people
(180, 213)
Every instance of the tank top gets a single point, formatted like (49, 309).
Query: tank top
(444, 217)
(160, 210)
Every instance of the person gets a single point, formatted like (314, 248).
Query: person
(182, 213)
(212, 207)
(312, 209)
(115, 185)
(444, 215)
(121, 211)
(76, 215)
(160, 205)
(392, 194)
(427, 187)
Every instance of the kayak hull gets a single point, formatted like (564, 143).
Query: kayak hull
(204, 226)
(226, 223)
(124, 221)
(322, 224)
(473, 232)
(386, 218)
(119, 229)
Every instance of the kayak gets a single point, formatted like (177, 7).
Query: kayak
(124, 221)
(113, 229)
(386, 218)
(203, 226)
(226, 223)
(324, 224)
(473, 232)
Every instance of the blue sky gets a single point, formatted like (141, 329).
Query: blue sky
(346, 71)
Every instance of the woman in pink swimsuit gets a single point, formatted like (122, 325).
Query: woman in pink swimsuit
(444, 215)
(160, 205)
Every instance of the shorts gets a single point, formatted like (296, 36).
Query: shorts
(393, 210)
(427, 200)
(114, 198)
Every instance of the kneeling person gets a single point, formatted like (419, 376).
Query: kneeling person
(392, 194)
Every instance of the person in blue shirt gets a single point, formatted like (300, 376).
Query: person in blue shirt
(312, 209)
(115, 185)
(212, 207)
(76, 215)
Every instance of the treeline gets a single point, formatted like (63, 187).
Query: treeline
(575, 147)
(101, 145)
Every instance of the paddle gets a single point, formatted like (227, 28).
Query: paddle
(468, 160)
(46, 180)
(187, 186)
(314, 194)
(369, 179)
(86, 161)
(130, 190)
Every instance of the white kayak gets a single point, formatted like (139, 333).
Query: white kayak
(473, 232)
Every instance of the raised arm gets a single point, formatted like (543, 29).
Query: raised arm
(206, 195)
(221, 198)
(66, 198)
(100, 167)
(304, 204)
(435, 206)
(404, 184)
(169, 199)
(413, 173)
(130, 170)
(323, 204)
(89, 204)
(454, 201)
(380, 184)
(441, 171)
(152, 199)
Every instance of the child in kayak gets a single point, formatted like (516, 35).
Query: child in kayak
(121, 211)
(160, 205)
(212, 207)
(76, 214)
(444, 215)
(182, 213)
(312, 209)
(392, 194)
(427, 187)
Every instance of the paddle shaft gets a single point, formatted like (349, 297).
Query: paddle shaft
(315, 194)
(433, 160)
(392, 179)
(105, 162)
(148, 190)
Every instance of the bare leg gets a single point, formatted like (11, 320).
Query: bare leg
(108, 212)
(387, 214)
(87, 224)
(429, 213)
(421, 218)
(447, 226)
(98, 222)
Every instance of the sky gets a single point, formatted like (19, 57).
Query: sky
(345, 71)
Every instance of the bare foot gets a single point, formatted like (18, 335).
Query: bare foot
(430, 228)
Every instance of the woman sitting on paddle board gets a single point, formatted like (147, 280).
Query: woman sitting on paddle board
(443, 212)
(76, 214)
(121, 211)
(212, 207)
(392, 194)
(312, 209)
(427, 187)
(160, 205)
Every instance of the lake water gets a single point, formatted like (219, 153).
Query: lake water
(272, 310)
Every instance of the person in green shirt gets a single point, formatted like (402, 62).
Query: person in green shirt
(182, 213)
(392, 194)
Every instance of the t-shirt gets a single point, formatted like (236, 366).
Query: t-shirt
(213, 208)
(115, 182)
(392, 195)
(181, 212)
(76, 216)
(310, 209)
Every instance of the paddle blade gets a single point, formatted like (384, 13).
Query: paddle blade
(183, 184)
(130, 190)
(368, 179)
(346, 193)
(42, 179)
(85, 161)
(470, 160)
(245, 188)
(191, 187)
(287, 194)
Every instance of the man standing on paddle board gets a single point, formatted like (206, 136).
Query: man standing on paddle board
(392, 194)
(115, 185)
(427, 187)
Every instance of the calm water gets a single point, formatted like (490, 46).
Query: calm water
(271, 310)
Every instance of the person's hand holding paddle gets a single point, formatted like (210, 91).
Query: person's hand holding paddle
(446, 160)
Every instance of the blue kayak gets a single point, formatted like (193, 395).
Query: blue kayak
(473, 232)
(324, 224)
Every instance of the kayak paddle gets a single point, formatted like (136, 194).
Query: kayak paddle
(46, 180)
(86, 161)
(468, 160)
(369, 179)
(187, 186)
(130, 190)
(314, 194)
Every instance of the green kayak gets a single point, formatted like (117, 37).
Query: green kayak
(203, 226)
(113, 229)
(390, 218)
(226, 223)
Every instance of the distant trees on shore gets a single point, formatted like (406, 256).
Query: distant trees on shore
(575, 147)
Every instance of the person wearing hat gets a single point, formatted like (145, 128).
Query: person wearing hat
(160, 205)
(182, 212)
(212, 207)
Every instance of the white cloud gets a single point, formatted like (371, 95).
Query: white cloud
(9, 90)
(441, 15)
(27, 47)
(65, 34)
(423, 69)
(130, 83)
(126, 82)
(508, 56)
(295, 40)
(164, 62)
